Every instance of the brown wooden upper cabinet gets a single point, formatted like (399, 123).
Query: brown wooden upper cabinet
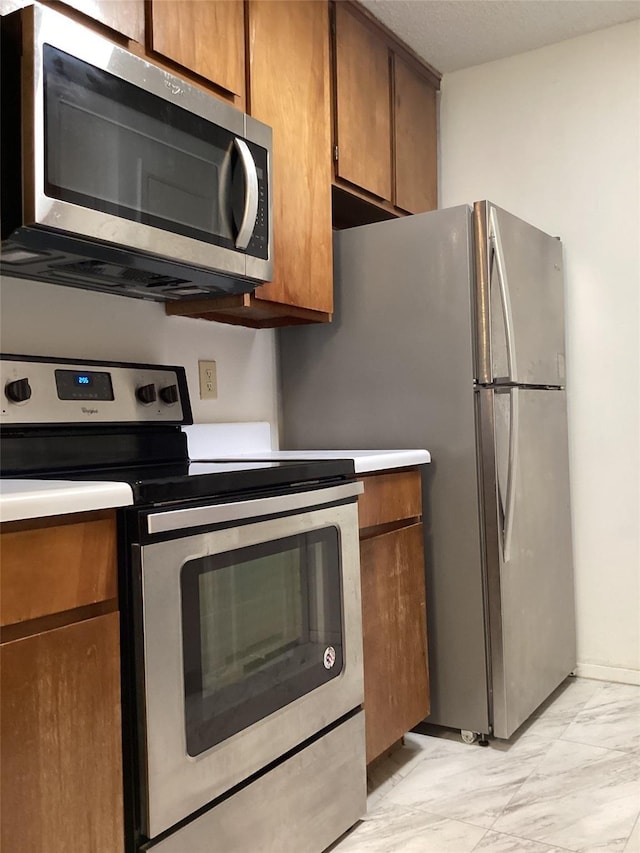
(416, 135)
(123, 16)
(289, 89)
(204, 37)
(273, 59)
(363, 117)
(384, 116)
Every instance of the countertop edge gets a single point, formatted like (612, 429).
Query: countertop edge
(365, 461)
(21, 500)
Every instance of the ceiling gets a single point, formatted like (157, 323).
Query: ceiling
(454, 34)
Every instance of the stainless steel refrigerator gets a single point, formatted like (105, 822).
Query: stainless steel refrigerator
(448, 334)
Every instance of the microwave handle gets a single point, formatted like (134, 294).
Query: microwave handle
(251, 196)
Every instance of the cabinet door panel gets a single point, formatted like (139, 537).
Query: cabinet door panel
(396, 679)
(53, 565)
(389, 497)
(61, 768)
(205, 37)
(416, 140)
(289, 90)
(363, 109)
(123, 16)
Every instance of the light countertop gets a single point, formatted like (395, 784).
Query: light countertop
(365, 461)
(253, 440)
(21, 499)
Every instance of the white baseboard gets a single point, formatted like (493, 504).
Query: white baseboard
(608, 673)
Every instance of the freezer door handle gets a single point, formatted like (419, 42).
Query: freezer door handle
(497, 257)
(512, 471)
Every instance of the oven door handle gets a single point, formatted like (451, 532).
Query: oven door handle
(199, 516)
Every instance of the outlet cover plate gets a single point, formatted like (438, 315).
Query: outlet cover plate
(208, 380)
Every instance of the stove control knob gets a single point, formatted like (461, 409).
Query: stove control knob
(146, 394)
(169, 394)
(18, 391)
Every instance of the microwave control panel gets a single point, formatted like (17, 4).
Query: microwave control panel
(259, 243)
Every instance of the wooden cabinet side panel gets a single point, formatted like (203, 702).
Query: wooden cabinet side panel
(363, 108)
(289, 90)
(416, 141)
(396, 677)
(205, 37)
(389, 497)
(61, 765)
(123, 16)
(49, 568)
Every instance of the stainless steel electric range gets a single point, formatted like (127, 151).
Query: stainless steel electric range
(240, 605)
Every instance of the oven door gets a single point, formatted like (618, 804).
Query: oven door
(251, 641)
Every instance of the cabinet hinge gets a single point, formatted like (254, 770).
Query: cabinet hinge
(335, 153)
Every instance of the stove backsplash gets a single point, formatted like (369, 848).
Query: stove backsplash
(42, 319)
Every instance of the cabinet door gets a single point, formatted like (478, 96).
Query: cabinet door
(416, 140)
(205, 37)
(58, 564)
(123, 16)
(61, 766)
(289, 90)
(390, 497)
(363, 108)
(396, 679)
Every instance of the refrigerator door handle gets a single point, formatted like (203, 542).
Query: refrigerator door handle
(512, 472)
(497, 255)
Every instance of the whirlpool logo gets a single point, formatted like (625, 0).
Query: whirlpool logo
(87, 411)
(174, 88)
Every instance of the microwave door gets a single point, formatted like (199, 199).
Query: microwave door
(107, 151)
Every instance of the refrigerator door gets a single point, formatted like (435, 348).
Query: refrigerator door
(395, 369)
(525, 486)
(519, 301)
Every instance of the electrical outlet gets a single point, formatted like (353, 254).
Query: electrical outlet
(208, 380)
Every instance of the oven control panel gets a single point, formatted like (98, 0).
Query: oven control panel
(47, 391)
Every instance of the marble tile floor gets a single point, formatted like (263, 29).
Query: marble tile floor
(568, 780)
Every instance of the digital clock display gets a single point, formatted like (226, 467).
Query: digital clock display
(84, 385)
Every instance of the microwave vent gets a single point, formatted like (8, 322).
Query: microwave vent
(126, 279)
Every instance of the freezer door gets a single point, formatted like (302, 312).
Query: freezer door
(519, 301)
(529, 565)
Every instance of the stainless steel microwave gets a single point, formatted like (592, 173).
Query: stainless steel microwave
(118, 176)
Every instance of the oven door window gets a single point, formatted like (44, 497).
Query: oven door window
(262, 626)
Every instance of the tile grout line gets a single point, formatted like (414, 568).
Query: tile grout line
(534, 768)
(552, 741)
(521, 838)
(630, 836)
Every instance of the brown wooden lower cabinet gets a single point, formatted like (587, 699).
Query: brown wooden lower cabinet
(396, 675)
(61, 768)
(60, 723)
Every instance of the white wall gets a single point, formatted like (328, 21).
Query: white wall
(45, 319)
(554, 136)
